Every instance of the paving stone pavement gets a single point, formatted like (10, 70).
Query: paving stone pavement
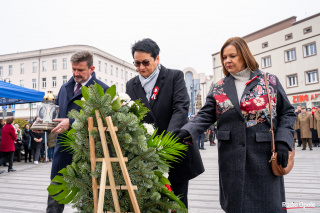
(25, 190)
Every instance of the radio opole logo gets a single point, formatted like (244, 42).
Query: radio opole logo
(298, 205)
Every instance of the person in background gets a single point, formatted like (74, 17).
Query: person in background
(36, 143)
(212, 134)
(305, 124)
(297, 112)
(314, 130)
(201, 140)
(26, 140)
(8, 137)
(239, 104)
(2, 123)
(52, 137)
(317, 123)
(43, 150)
(18, 143)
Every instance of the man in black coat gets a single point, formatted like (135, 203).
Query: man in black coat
(83, 75)
(164, 92)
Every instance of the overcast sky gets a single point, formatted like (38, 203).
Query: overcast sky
(188, 32)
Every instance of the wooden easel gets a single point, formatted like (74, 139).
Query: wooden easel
(107, 168)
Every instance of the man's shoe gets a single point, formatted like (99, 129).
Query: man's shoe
(35, 162)
(303, 148)
(311, 149)
(2, 171)
(11, 170)
(299, 146)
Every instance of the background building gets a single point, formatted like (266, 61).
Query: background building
(198, 86)
(48, 69)
(287, 49)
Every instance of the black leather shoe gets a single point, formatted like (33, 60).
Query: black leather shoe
(303, 148)
(11, 170)
(311, 149)
(299, 146)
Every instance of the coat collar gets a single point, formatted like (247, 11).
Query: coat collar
(253, 81)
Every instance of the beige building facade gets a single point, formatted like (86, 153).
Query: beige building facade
(48, 69)
(288, 49)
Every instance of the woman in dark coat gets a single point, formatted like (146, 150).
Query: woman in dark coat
(8, 137)
(26, 139)
(239, 104)
(36, 143)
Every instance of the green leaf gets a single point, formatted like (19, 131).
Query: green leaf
(112, 91)
(116, 104)
(158, 173)
(172, 196)
(85, 92)
(165, 180)
(99, 89)
(79, 103)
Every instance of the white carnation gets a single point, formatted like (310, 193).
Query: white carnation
(130, 103)
(82, 99)
(124, 97)
(149, 128)
(166, 175)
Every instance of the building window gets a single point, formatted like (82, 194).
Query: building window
(111, 70)
(117, 74)
(288, 36)
(307, 30)
(105, 81)
(44, 82)
(1, 71)
(105, 68)
(290, 55)
(54, 81)
(265, 44)
(99, 65)
(64, 79)
(22, 68)
(309, 49)
(54, 64)
(64, 63)
(21, 83)
(292, 80)
(34, 83)
(121, 87)
(10, 69)
(44, 66)
(121, 73)
(266, 62)
(34, 67)
(117, 87)
(312, 77)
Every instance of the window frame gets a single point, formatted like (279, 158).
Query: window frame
(64, 63)
(43, 82)
(34, 68)
(1, 70)
(315, 49)
(54, 82)
(305, 77)
(34, 83)
(66, 80)
(10, 71)
(289, 34)
(268, 56)
(295, 54)
(288, 87)
(54, 64)
(267, 44)
(306, 28)
(21, 68)
(44, 66)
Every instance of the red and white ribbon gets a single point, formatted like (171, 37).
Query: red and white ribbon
(155, 92)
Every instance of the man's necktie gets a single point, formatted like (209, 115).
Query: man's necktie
(77, 89)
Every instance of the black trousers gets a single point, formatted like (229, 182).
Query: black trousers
(26, 153)
(299, 138)
(53, 206)
(181, 188)
(4, 158)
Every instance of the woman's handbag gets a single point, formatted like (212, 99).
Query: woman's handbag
(277, 169)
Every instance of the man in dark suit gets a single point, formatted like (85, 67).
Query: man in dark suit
(164, 92)
(83, 75)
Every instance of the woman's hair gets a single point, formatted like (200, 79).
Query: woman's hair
(10, 120)
(244, 52)
(26, 125)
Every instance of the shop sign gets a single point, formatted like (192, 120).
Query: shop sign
(304, 98)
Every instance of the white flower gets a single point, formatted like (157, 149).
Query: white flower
(166, 175)
(82, 99)
(130, 103)
(149, 128)
(124, 97)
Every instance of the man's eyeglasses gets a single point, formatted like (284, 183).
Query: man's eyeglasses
(144, 63)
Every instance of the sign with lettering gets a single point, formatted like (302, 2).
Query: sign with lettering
(305, 97)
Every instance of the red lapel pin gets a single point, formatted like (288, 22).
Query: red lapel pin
(155, 92)
(248, 82)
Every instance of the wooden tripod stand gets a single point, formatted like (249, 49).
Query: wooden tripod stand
(107, 168)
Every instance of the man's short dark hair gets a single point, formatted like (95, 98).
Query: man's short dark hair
(81, 57)
(146, 45)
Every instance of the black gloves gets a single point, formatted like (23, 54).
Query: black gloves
(182, 134)
(283, 153)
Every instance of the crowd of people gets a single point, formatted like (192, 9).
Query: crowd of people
(307, 127)
(15, 142)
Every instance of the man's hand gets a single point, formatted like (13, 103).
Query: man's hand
(62, 126)
(283, 153)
